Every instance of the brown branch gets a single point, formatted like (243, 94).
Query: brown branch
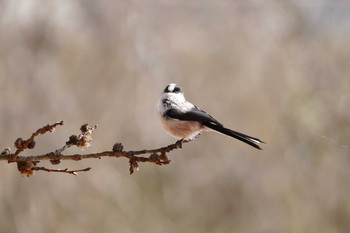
(73, 172)
(30, 143)
(28, 164)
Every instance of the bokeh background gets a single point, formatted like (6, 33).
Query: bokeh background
(277, 70)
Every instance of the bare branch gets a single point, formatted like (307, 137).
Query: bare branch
(28, 164)
(30, 143)
(73, 172)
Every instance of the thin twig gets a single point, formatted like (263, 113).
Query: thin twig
(73, 172)
(23, 144)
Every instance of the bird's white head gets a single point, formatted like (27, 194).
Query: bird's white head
(172, 88)
(171, 95)
(173, 92)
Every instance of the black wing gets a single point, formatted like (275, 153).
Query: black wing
(195, 114)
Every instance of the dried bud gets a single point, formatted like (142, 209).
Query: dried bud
(164, 158)
(155, 158)
(84, 141)
(26, 167)
(55, 161)
(133, 165)
(31, 145)
(118, 147)
(73, 140)
(19, 144)
(84, 128)
(6, 151)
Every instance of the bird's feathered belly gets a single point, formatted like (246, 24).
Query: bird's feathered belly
(182, 129)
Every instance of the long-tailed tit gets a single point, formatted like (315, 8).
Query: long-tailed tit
(183, 120)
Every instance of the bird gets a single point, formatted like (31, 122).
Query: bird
(185, 121)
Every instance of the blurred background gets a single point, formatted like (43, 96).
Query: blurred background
(276, 70)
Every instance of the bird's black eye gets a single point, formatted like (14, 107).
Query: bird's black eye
(166, 90)
(177, 90)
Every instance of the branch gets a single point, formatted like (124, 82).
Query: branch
(27, 164)
(73, 172)
(30, 143)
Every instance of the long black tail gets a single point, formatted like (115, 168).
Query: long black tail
(240, 136)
